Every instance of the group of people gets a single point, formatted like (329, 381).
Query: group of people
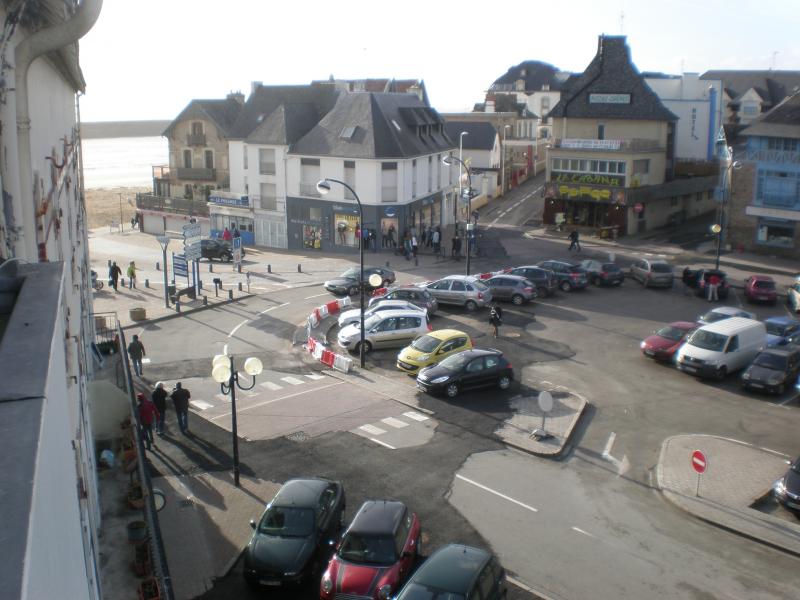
(228, 235)
(115, 273)
(152, 411)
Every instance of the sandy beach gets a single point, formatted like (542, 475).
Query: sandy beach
(103, 204)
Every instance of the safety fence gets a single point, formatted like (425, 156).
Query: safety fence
(318, 349)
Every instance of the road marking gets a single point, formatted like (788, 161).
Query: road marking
(272, 386)
(496, 493)
(579, 530)
(372, 430)
(316, 296)
(520, 585)
(293, 380)
(200, 405)
(315, 377)
(266, 310)
(145, 361)
(383, 444)
(246, 408)
(225, 349)
(235, 329)
(396, 423)
(790, 399)
(415, 415)
(609, 444)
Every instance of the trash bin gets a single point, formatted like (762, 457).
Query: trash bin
(138, 314)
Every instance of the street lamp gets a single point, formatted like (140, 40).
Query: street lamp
(227, 377)
(448, 160)
(716, 229)
(503, 162)
(460, 149)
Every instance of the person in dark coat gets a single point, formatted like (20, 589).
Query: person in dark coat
(136, 353)
(180, 398)
(159, 397)
(496, 318)
(114, 273)
(148, 414)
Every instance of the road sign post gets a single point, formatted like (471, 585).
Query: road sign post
(164, 242)
(699, 464)
(545, 405)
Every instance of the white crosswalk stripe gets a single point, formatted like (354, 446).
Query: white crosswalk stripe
(315, 377)
(415, 415)
(200, 405)
(293, 380)
(396, 423)
(272, 386)
(372, 430)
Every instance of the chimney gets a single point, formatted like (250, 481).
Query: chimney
(254, 86)
(238, 96)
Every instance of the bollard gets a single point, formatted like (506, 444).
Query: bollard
(299, 268)
(147, 283)
(239, 267)
(269, 268)
(387, 264)
(210, 267)
(178, 304)
(158, 266)
(240, 286)
(200, 284)
(205, 300)
(230, 294)
(122, 281)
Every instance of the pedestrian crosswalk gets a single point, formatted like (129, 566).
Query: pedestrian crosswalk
(411, 428)
(277, 382)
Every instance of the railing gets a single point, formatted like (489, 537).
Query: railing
(631, 145)
(180, 206)
(389, 193)
(197, 174)
(196, 139)
(309, 189)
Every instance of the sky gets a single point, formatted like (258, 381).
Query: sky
(146, 59)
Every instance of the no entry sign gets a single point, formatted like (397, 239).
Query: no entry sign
(699, 462)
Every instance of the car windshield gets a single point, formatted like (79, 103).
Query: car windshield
(661, 268)
(767, 360)
(287, 521)
(455, 362)
(765, 285)
(708, 340)
(481, 287)
(713, 317)
(777, 328)
(671, 333)
(427, 343)
(371, 321)
(375, 550)
(351, 274)
(425, 294)
(418, 591)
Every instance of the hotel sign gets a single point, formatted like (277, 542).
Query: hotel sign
(609, 98)
(592, 178)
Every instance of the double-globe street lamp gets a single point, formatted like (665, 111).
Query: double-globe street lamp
(720, 226)
(227, 377)
(449, 160)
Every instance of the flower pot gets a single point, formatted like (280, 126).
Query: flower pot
(148, 590)
(142, 565)
(137, 531)
(135, 495)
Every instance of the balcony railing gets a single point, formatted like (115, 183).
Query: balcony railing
(631, 145)
(309, 189)
(180, 206)
(196, 139)
(197, 174)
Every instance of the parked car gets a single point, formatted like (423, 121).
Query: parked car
(216, 248)
(457, 571)
(387, 329)
(514, 288)
(652, 273)
(724, 312)
(698, 279)
(793, 297)
(787, 488)
(347, 283)
(603, 273)
(409, 293)
(663, 344)
(466, 370)
(544, 279)
(432, 348)
(292, 540)
(772, 370)
(462, 290)
(376, 554)
(760, 288)
(353, 315)
(782, 331)
(720, 348)
(569, 276)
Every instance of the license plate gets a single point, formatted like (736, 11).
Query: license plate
(649, 353)
(270, 582)
(690, 369)
(757, 386)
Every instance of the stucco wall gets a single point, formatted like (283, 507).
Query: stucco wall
(620, 129)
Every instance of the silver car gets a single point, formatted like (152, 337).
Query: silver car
(652, 272)
(463, 290)
(354, 316)
(386, 329)
(409, 293)
(514, 288)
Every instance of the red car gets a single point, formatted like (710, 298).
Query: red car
(375, 555)
(666, 341)
(760, 288)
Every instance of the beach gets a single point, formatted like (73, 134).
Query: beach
(103, 205)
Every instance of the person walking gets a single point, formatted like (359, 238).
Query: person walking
(226, 235)
(496, 318)
(148, 415)
(180, 398)
(236, 233)
(686, 277)
(414, 246)
(436, 237)
(136, 353)
(159, 397)
(713, 283)
(407, 246)
(457, 244)
(132, 275)
(391, 234)
(574, 242)
(114, 273)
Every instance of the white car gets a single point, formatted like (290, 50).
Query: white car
(724, 312)
(349, 317)
(386, 329)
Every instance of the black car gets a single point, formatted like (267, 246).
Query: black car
(544, 279)
(465, 370)
(294, 538)
(698, 279)
(347, 283)
(772, 370)
(787, 488)
(569, 276)
(219, 249)
(603, 273)
(457, 571)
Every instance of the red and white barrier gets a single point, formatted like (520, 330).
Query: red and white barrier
(343, 363)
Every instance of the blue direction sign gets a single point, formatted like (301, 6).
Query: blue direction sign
(237, 250)
(180, 267)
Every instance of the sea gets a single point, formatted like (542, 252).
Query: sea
(122, 162)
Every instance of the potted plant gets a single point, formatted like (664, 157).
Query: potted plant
(135, 495)
(137, 531)
(142, 564)
(148, 590)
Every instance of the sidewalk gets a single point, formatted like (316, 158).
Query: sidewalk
(737, 475)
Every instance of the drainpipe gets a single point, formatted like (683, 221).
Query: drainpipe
(32, 47)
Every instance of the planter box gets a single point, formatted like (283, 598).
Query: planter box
(138, 314)
(148, 590)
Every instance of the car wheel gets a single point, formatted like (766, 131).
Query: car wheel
(471, 306)
(367, 348)
(565, 286)
(352, 291)
(504, 382)
(228, 257)
(451, 390)
(517, 300)
(722, 372)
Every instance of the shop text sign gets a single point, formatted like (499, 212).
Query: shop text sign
(591, 178)
(609, 98)
(230, 201)
(584, 192)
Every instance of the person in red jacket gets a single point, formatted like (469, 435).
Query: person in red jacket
(148, 415)
(713, 284)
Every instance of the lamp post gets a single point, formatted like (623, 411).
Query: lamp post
(448, 160)
(227, 377)
(503, 162)
(716, 229)
(460, 149)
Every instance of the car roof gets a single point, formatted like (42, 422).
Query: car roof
(378, 517)
(519, 278)
(390, 302)
(301, 492)
(538, 268)
(727, 310)
(453, 568)
(400, 312)
(560, 261)
(727, 326)
(469, 278)
(446, 334)
(761, 278)
(683, 324)
(483, 352)
(780, 351)
(781, 320)
(655, 261)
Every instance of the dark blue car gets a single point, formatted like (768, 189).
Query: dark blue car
(781, 331)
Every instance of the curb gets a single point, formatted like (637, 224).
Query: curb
(567, 436)
(147, 322)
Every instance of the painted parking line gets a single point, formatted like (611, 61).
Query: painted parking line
(272, 386)
(586, 533)
(293, 380)
(259, 404)
(266, 310)
(316, 296)
(789, 399)
(200, 405)
(498, 494)
(372, 430)
(235, 329)
(396, 423)
(415, 415)
(315, 377)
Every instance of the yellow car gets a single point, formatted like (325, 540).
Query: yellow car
(432, 348)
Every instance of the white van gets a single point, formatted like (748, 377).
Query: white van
(723, 347)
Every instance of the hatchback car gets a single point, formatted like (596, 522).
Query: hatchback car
(431, 349)
(465, 370)
(787, 488)
(351, 316)
(293, 538)
(387, 329)
(652, 273)
(376, 553)
(772, 370)
(544, 279)
(514, 288)
(462, 290)
(409, 293)
(724, 312)
(603, 273)
(569, 276)
(781, 331)
(760, 288)
(347, 283)
(663, 344)
(216, 249)
(457, 572)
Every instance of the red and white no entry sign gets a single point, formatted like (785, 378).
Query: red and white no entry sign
(699, 462)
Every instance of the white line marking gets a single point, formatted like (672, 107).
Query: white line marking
(241, 410)
(272, 386)
(266, 310)
(316, 296)
(791, 399)
(200, 405)
(372, 430)
(396, 423)
(415, 415)
(245, 378)
(145, 361)
(293, 380)
(579, 530)
(491, 491)
(383, 444)
(314, 376)
(225, 349)
(519, 584)
(609, 444)
(235, 329)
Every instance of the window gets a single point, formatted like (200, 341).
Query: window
(309, 176)
(401, 535)
(544, 105)
(269, 200)
(774, 232)
(556, 164)
(486, 582)
(750, 110)
(315, 213)
(603, 166)
(389, 324)
(389, 182)
(430, 173)
(733, 344)
(458, 286)
(601, 132)
(244, 157)
(574, 165)
(784, 144)
(438, 171)
(209, 159)
(266, 161)
(641, 166)
(187, 159)
(777, 188)
(475, 366)
(441, 285)
(492, 361)
(197, 128)
(349, 178)
(408, 322)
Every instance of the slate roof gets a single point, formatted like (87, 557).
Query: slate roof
(506, 103)
(384, 126)
(611, 72)
(285, 125)
(772, 86)
(480, 135)
(781, 121)
(223, 113)
(535, 73)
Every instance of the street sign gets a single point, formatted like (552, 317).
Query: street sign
(180, 266)
(237, 251)
(545, 401)
(191, 241)
(699, 462)
(638, 207)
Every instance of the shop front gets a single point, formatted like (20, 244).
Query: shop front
(583, 206)
(234, 213)
(425, 212)
(390, 234)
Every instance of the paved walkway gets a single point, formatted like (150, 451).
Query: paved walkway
(737, 475)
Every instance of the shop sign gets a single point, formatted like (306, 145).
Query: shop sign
(577, 192)
(609, 98)
(350, 209)
(390, 211)
(593, 178)
(241, 201)
(304, 222)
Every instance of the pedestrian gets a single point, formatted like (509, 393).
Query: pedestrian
(132, 275)
(407, 248)
(159, 397)
(180, 398)
(574, 242)
(496, 318)
(391, 234)
(136, 353)
(236, 233)
(414, 246)
(226, 235)
(148, 414)
(114, 273)
(436, 237)
(457, 243)
(713, 283)
(686, 277)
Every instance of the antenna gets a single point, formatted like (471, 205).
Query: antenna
(621, 22)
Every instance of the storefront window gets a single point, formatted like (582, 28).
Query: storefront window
(772, 233)
(346, 226)
(389, 234)
(312, 237)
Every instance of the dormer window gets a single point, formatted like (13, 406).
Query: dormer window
(347, 133)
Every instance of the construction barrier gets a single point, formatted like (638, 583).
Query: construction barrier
(332, 307)
(318, 350)
(327, 358)
(311, 344)
(343, 363)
